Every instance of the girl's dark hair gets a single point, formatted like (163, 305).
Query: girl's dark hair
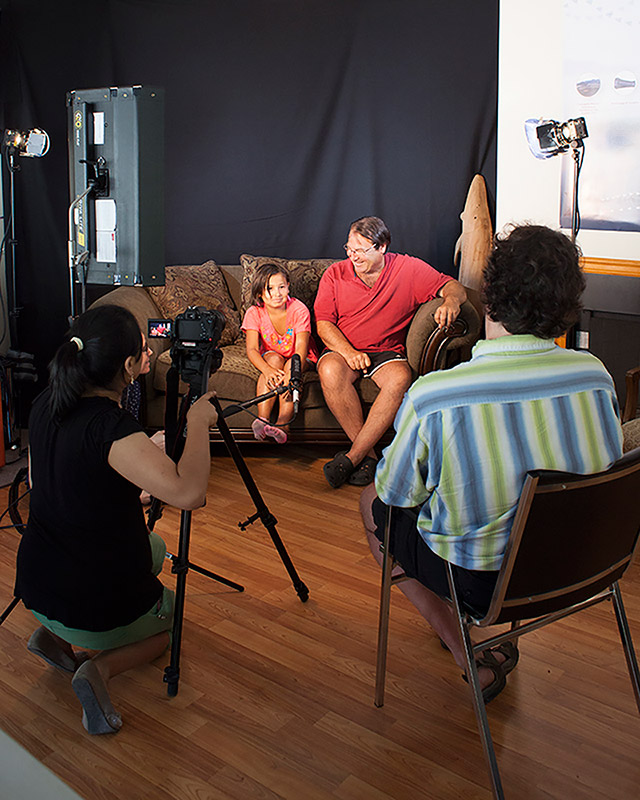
(533, 282)
(261, 279)
(109, 335)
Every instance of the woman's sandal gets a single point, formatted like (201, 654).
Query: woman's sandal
(98, 715)
(338, 470)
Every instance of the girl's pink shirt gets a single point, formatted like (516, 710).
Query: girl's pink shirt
(257, 318)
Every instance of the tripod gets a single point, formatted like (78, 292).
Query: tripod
(197, 380)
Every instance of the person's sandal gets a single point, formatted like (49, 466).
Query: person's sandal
(511, 655)
(508, 649)
(488, 660)
(338, 470)
(365, 472)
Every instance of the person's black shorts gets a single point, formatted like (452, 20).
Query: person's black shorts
(420, 562)
(377, 359)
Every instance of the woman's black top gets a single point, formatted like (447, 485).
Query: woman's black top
(84, 559)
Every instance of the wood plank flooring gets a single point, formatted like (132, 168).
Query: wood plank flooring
(276, 696)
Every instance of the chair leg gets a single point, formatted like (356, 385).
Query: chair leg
(383, 622)
(627, 643)
(476, 692)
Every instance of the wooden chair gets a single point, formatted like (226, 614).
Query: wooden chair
(572, 539)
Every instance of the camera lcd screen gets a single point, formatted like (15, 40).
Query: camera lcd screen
(160, 328)
(190, 330)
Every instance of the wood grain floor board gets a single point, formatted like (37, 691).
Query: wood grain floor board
(276, 696)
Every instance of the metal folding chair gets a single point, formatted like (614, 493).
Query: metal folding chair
(573, 538)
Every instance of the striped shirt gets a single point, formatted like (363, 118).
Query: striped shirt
(465, 438)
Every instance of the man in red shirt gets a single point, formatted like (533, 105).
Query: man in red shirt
(363, 308)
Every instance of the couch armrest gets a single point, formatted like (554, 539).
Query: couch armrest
(631, 398)
(136, 300)
(429, 347)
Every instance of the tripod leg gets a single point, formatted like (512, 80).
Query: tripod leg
(263, 513)
(9, 609)
(180, 567)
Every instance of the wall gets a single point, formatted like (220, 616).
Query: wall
(530, 66)
(285, 121)
(531, 40)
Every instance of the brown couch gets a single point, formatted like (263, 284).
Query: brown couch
(226, 288)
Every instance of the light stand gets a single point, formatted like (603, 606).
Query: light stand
(577, 153)
(98, 183)
(548, 138)
(31, 144)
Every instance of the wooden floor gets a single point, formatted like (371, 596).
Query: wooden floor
(276, 696)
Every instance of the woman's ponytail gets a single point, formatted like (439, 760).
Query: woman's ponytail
(100, 341)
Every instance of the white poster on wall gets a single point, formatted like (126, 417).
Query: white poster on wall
(600, 74)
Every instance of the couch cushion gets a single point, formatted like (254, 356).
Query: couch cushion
(305, 276)
(202, 285)
(235, 380)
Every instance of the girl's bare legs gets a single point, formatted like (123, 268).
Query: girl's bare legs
(261, 427)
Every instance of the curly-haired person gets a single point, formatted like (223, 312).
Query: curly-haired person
(466, 437)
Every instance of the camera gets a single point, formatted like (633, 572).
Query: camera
(194, 326)
(194, 336)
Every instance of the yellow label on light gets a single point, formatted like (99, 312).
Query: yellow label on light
(81, 239)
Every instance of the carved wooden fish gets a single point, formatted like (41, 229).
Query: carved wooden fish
(475, 242)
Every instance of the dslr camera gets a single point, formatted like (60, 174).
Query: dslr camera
(194, 336)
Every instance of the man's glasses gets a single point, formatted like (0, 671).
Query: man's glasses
(357, 251)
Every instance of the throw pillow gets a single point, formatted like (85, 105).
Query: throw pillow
(197, 286)
(305, 276)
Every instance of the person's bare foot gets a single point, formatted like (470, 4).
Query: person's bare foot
(56, 652)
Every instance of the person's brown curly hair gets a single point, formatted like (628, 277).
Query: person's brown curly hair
(533, 282)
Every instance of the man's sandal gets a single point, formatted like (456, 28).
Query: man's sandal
(488, 660)
(365, 472)
(511, 655)
(500, 669)
(338, 470)
(508, 649)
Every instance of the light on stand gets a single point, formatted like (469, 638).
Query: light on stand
(548, 138)
(33, 143)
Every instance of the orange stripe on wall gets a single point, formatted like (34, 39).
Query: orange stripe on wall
(611, 266)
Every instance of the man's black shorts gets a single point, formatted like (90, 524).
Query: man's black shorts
(420, 562)
(377, 359)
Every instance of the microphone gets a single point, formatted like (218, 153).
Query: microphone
(295, 383)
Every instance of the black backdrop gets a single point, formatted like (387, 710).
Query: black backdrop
(285, 121)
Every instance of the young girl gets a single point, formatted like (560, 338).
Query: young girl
(277, 326)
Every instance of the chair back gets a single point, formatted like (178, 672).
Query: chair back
(572, 537)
